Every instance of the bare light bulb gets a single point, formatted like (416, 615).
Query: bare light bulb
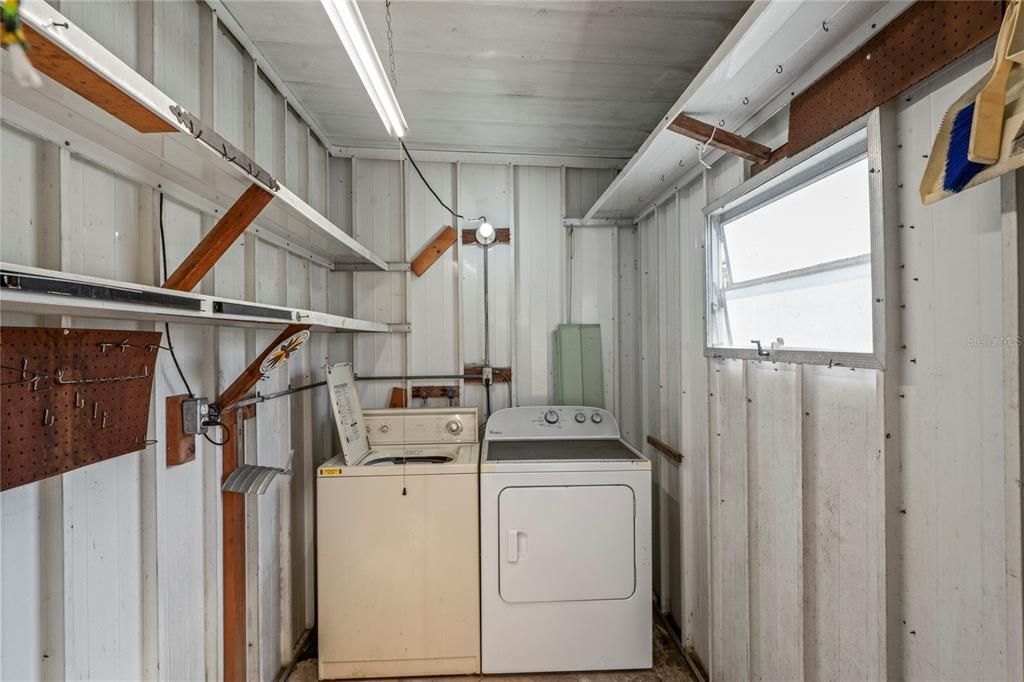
(485, 233)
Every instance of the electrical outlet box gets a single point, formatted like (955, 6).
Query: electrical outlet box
(487, 375)
(194, 412)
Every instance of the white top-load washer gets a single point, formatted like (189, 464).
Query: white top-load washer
(565, 533)
(398, 541)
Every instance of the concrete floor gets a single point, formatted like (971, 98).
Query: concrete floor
(669, 666)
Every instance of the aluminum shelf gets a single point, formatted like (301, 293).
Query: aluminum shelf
(776, 49)
(181, 165)
(38, 291)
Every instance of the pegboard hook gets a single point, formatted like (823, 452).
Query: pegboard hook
(79, 400)
(48, 419)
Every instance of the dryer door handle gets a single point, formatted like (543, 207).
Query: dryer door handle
(513, 545)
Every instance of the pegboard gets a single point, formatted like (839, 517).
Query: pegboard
(915, 45)
(71, 397)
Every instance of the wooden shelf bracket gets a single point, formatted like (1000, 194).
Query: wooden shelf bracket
(719, 139)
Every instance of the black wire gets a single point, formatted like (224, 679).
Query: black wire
(167, 327)
(420, 173)
(226, 431)
(508, 382)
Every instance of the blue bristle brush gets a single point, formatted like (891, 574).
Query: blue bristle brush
(974, 139)
(960, 170)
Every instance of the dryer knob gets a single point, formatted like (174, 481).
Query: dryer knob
(580, 417)
(596, 418)
(551, 417)
(384, 428)
(454, 427)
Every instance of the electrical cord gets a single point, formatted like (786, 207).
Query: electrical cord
(508, 382)
(420, 173)
(225, 431)
(167, 327)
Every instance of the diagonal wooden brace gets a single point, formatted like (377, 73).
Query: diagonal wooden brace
(434, 250)
(719, 139)
(252, 374)
(218, 240)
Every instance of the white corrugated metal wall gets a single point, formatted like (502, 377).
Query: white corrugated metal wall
(824, 560)
(529, 279)
(114, 570)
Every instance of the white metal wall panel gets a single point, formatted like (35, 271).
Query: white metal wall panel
(776, 535)
(317, 174)
(540, 246)
(270, 127)
(379, 296)
(179, 491)
(629, 384)
(730, 521)
(844, 525)
(651, 411)
(693, 426)
(434, 297)
(296, 171)
(958, 567)
(176, 51)
(582, 188)
(271, 449)
(593, 252)
(232, 111)
(29, 226)
(114, 24)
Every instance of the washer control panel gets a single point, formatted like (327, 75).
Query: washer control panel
(421, 426)
(561, 421)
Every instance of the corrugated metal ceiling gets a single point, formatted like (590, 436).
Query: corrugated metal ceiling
(575, 78)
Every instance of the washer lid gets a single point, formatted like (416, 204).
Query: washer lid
(348, 414)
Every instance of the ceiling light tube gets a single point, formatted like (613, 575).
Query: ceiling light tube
(351, 29)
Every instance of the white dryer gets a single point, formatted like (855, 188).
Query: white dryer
(565, 543)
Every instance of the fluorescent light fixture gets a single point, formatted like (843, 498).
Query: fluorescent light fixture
(350, 27)
(485, 233)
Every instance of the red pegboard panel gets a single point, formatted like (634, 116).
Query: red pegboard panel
(919, 42)
(56, 386)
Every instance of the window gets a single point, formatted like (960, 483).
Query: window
(790, 260)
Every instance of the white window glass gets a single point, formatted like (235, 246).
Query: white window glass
(791, 269)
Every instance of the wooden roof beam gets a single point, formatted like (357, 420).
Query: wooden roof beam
(720, 139)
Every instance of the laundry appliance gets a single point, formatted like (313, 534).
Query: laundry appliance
(397, 541)
(565, 554)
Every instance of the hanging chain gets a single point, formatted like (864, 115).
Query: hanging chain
(391, 44)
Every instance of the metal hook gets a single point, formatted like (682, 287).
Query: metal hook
(103, 424)
(761, 352)
(79, 400)
(48, 419)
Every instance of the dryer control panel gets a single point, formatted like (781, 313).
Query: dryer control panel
(552, 422)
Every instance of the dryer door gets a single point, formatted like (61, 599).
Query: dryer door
(566, 543)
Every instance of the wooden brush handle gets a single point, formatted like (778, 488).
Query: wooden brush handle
(987, 123)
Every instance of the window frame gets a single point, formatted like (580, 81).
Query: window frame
(850, 144)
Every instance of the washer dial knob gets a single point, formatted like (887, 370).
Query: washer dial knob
(580, 417)
(596, 418)
(384, 428)
(454, 427)
(551, 417)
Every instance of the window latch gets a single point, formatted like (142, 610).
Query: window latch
(761, 352)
